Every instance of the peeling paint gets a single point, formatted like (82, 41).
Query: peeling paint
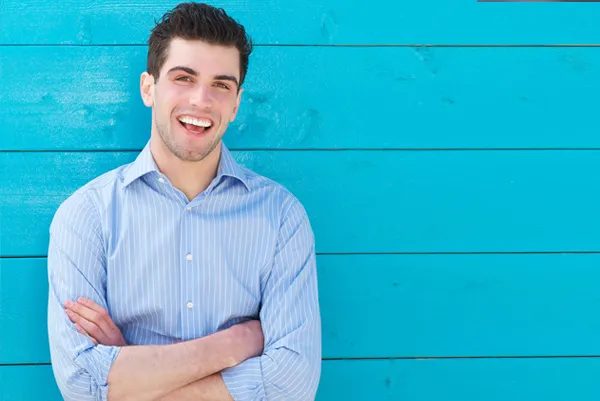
(310, 123)
(84, 29)
(329, 26)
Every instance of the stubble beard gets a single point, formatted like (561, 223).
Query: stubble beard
(168, 139)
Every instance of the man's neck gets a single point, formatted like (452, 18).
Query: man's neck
(191, 178)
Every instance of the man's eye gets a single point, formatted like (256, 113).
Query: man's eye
(222, 85)
(183, 79)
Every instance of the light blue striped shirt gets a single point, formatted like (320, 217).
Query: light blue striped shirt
(169, 270)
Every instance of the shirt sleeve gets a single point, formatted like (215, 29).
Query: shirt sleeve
(77, 268)
(290, 366)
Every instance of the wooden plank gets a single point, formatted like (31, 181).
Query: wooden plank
(23, 311)
(365, 201)
(395, 306)
(562, 379)
(28, 383)
(466, 380)
(75, 98)
(311, 22)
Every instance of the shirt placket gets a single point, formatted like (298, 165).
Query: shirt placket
(188, 261)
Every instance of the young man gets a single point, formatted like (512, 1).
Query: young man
(183, 275)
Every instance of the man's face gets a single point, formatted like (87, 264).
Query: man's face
(195, 98)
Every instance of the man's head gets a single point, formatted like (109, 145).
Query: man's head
(197, 62)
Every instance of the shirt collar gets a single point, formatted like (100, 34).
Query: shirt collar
(230, 168)
(145, 164)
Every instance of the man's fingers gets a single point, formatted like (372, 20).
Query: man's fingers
(92, 305)
(89, 327)
(84, 311)
(82, 331)
(95, 321)
(103, 313)
(90, 315)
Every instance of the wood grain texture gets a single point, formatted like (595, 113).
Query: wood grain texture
(398, 231)
(563, 379)
(394, 306)
(311, 22)
(74, 98)
(364, 201)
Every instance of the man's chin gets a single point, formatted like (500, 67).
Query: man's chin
(194, 155)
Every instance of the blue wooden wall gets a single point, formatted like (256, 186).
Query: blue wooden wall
(454, 188)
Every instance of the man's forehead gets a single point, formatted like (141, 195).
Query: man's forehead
(203, 57)
(200, 47)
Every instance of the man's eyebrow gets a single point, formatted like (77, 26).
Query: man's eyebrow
(184, 69)
(222, 77)
(228, 78)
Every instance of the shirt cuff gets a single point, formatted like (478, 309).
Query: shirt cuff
(244, 381)
(97, 361)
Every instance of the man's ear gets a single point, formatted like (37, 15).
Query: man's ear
(147, 89)
(237, 105)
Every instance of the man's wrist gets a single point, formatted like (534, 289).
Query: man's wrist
(224, 345)
(231, 340)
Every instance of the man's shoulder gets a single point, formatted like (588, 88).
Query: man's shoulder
(85, 201)
(285, 199)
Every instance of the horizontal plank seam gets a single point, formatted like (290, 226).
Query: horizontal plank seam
(451, 45)
(392, 253)
(465, 253)
(576, 149)
(463, 357)
(394, 358)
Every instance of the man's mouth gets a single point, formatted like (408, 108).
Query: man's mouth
(195, 125)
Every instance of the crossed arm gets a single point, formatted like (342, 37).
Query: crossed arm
(226, 365)
(218, 351)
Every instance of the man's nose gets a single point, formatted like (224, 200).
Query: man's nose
(201, 97)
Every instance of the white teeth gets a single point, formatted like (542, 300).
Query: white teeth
(195, 121)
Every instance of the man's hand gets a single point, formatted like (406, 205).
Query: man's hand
(229, 347)
(92, 320)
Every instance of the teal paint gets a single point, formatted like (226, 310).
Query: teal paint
(385, 201)
(379, 306)
(454, 163)
(311, 97)
(559, 379)
(276, 22)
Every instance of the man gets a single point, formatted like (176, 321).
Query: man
(183, 275)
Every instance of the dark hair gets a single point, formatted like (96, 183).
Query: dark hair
(197, 21)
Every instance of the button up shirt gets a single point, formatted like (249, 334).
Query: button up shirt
(170, 270)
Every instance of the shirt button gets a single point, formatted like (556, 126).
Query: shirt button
(188, 256)
(189, 209)
(190, 305)
(161, 180)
